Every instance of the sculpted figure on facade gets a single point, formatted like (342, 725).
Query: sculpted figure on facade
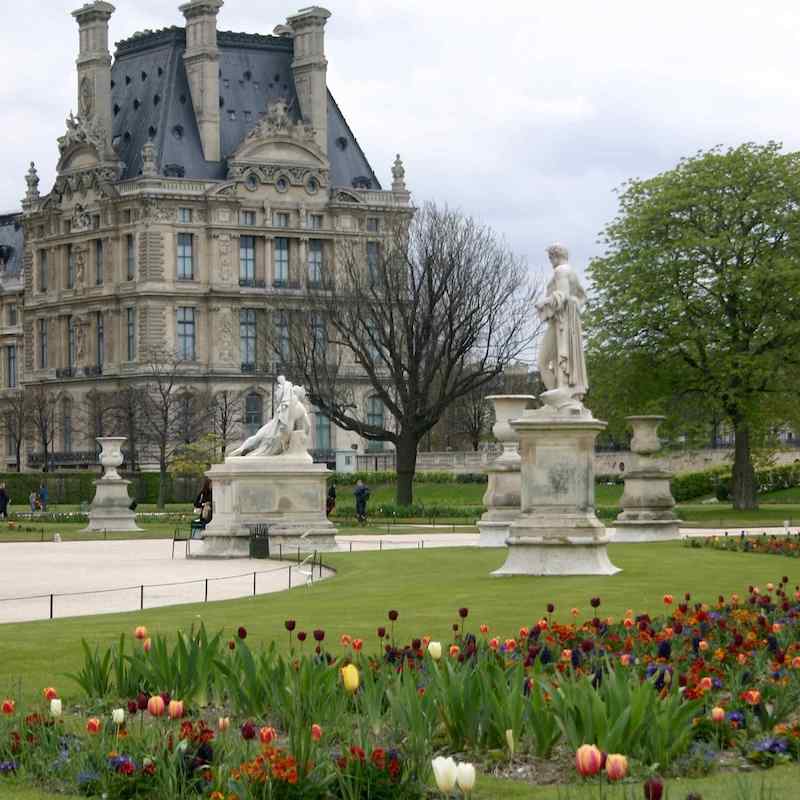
(562, 364)
(82, 131)
(291, 417)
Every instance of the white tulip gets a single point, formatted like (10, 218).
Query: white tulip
(465, 777)
(435, 650)
(118, 716)
(510, 740)
(444, 770)
(55, 708)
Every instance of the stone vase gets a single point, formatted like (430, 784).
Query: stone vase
(110, 509)
(647, 501)
(502, 497)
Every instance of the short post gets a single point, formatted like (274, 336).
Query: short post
(51, 606)
(380, 545)
(105, 533)
(351, 545)
(141, 598)
(206, 597)
(254, 584)
(280, 551)
(298, 554)
(290, 576)
(42, 539)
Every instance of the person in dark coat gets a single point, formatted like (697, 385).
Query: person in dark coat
(204, 502)
(4, 501)
(43, 496)
(361, 493)
(330, 503)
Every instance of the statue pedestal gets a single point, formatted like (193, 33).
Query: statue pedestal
(557, 532)
(286, 493)
(647, 502)
(110, 509)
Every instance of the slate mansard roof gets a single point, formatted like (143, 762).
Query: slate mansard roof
(11, 241)
(151, 99)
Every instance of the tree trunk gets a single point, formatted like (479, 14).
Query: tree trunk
(743, 490)
(19, 455)
(406, 454)
(162, 481)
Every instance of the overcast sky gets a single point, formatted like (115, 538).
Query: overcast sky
(524, 113)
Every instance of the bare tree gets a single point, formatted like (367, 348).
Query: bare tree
(17, 419)
(435, 311)
(127, 407)
(472, 415)
(226, 417)
(43, 402)
(172, 416)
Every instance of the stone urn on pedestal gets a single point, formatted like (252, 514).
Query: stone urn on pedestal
(647, 502)
(110, 509)
(502, 498)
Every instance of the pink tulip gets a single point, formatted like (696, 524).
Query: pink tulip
(616, 767)
(588, 760)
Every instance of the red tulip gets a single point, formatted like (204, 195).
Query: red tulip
(667, 599)
(248, 731)
(316, 732)
(717, 714)
(268, 735)
(588, 760)
(140, 632)
(93, 725)
(50, 693)
(8, 706)
(653, 789)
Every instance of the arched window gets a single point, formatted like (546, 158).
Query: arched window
(253, 413)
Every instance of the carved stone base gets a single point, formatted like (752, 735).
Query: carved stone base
(493, 533)
(655, 530)
(502, 499)
(545, 556)
(110, 509)
(286, 493)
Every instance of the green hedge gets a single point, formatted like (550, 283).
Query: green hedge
(691, 485)
(415, 511)
(767, 480)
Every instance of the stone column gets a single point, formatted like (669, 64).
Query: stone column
(110, 509)
(502, 498)
(647, 502)
(557, 532)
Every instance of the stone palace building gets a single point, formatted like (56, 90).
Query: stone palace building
(206, 178)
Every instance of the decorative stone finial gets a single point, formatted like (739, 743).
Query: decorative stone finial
(32, 179)
(398, 175)
(149, 158)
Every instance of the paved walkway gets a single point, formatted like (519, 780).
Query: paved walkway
(98, 577)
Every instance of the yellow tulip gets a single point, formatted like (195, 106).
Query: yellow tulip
(351, 678)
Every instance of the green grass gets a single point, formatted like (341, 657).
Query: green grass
(426, 587)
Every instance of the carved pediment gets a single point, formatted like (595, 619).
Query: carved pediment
(98, 180)
(84, 147)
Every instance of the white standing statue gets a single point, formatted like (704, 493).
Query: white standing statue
(280, 435)
(561, 360)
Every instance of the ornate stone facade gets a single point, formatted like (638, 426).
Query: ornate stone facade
(180, 223)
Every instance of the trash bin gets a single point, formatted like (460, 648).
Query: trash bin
(197, 529)
(259, 541)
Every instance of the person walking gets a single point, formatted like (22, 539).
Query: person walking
(205, 502)
(33, 500)
(43, 496)
(361, 494)
(330, 503)
(4, 501)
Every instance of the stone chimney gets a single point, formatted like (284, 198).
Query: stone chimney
(310, 69)
(94, 67)
(202, 69)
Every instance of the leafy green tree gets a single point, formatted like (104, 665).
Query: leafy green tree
(700, 281)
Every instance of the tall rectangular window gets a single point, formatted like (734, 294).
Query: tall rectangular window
(315, 222)
(282, 334)
(376, 416)
(185, 257)
(130, 250)
(319, 334)
(12, 315)
(130, 324)
(247, 336)
(323, 432)
(315, 262)
(43, 270)
(281, 261)
(42, 344)
(186, 334)
(98, 262)
(70, 267)
(372, 224)
(247, 261)
(247, 218)
(11, 366)
(372, 261)
(71, 343)
(100, 332)
(184, 216)
(280, 219)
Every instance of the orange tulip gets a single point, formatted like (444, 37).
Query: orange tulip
(706, 684)
(147, 645)
(588, 760)
(50, 693)
(346, 640)
(454, 650)
(140, 632)
(752, 697)
(616, 767)
(267, 735)
(93, 725)
(667, 599)
(523, 633)
(484, 629)
(566, 655)
(358, 644)
(717, 715)
(175, 709)
(625, 659)
(316, 732)
(494, 643)
(155, 706)
(223, 723)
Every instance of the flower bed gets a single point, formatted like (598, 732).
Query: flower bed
(771, 545)
(211, 716)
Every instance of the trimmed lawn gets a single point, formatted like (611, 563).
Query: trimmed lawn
(425, 586)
